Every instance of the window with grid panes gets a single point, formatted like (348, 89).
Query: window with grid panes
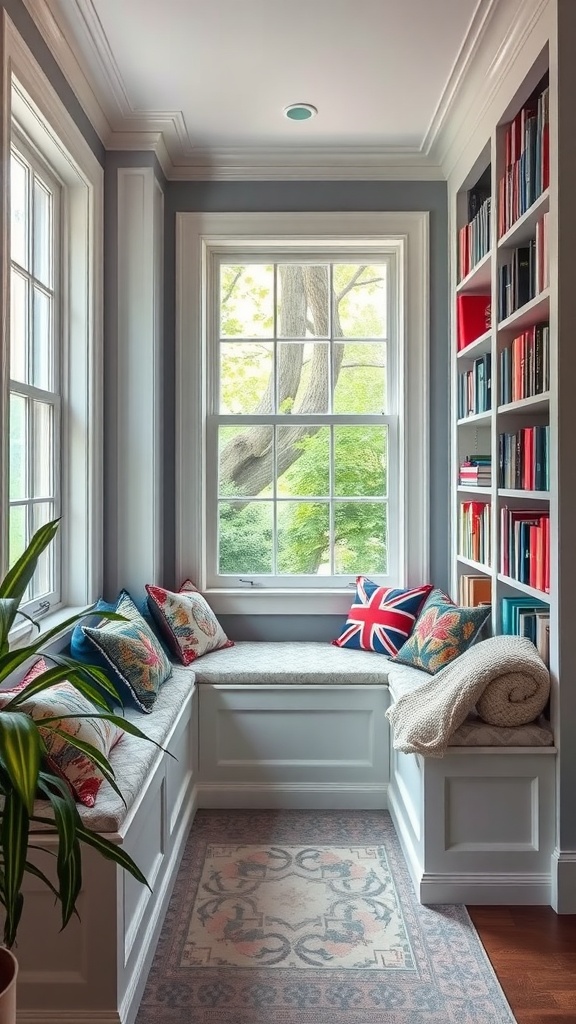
(35, 365)
(302, 418)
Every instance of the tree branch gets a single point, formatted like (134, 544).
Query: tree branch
(231, 288)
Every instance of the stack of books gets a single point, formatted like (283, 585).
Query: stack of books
(475, 531)
(527, 158)
(476, 471)
(525, 546)
(525, 365)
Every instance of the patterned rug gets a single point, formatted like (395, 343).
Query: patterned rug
(310, 917)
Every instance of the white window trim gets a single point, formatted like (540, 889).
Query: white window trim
(31, 99)
(196, 234)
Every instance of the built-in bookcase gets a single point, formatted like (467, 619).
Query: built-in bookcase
(501, 367)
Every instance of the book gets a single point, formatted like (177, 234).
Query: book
(473, 318)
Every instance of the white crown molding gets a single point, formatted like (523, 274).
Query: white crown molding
(506, 27)
(277, 163)
(482, 15)
(55, 38)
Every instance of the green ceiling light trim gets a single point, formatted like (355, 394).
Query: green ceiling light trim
(300, 111)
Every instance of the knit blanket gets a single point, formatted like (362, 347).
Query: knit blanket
(503, 677)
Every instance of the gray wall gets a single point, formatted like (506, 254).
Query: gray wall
(312, 196)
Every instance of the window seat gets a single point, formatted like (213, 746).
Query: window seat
(284, 725)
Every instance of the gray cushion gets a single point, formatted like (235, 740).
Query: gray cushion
(264, 662)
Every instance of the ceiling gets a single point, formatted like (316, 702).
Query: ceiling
(211, 77)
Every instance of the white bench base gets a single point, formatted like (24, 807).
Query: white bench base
(94, 972)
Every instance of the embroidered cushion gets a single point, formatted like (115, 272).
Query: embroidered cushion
(381, 619)
(133, 654)
(186, 621)
(74, 766)
(442, 632)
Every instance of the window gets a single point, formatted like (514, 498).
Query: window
(302, 423)
(35, 365)
(50, 384)
(302, 454)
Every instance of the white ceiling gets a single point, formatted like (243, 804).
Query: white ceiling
(213, 76)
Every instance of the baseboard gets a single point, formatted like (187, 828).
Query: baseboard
(513, 888)
(564, 881)
(295, 796)
(405, 835)
(67, 1017)
(133, 995)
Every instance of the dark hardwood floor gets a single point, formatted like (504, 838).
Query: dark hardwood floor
(533, 952)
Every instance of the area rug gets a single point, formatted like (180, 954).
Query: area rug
(310, 917)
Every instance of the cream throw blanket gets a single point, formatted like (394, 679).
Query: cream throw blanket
(503, 677)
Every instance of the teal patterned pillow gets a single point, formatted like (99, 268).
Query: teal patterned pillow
(442, 632)
(138, 662)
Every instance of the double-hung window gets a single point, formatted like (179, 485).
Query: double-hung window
(302, 406)
(302, 418)
(35, 365)
(51, 376)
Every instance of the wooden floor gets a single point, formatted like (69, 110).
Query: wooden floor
(533, 951)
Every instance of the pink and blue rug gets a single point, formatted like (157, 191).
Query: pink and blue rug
(310, 917)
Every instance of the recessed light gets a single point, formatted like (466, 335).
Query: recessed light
(300, 111)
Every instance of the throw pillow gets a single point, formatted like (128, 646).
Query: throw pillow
(442, 632)
(72, 765)
(135, 656)
(381, 619)
(187, 622)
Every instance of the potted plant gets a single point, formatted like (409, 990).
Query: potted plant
(26, 774)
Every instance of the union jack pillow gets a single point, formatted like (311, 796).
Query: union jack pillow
(381, 619)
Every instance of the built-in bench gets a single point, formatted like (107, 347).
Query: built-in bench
(284, 725)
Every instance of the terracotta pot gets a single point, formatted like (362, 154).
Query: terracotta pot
(8, 976)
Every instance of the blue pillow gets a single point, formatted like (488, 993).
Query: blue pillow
(80, 646)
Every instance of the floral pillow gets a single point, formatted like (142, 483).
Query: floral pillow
(381, 619)
(442, 632)
(186, 621)
(72, 765)
(139, 664)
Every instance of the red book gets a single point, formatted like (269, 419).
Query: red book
(473, 318)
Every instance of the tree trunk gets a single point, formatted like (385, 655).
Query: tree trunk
(247, 460)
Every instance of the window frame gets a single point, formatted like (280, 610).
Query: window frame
(31, 103)
(198, 235)
(213, 418)
(33, 392)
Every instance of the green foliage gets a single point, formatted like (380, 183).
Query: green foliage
(360, 455)
(24, 770)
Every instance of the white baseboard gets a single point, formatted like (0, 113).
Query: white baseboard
(513, 888)
(295, 796)
(563, 898)
(133, 995)
(404, 832)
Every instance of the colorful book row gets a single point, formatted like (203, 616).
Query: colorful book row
(527, 616)
(475, 531)
(474, 240)
(474, 590)
(521, 277)
(475, 388)
(525, 546)
(527, 161)
(524, 459)
(525, 365)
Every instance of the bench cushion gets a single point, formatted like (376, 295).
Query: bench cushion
(132, 758)
(286, 664)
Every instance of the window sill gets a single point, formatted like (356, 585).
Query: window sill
(25, 633)
(261, 601)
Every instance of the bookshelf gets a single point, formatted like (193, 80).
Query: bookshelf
(501, 382)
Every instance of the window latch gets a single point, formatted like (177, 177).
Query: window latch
(250, 582)
(43, 607)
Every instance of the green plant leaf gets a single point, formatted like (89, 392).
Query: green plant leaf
(51, 677)
(20, 753)
(64, 810)
(8, 609)
(32, 869)
(95, 756)
(13, 843)
(18, 577)
(111, 852)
